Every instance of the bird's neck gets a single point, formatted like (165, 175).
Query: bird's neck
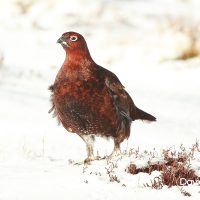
(78, 60)
(77, 65)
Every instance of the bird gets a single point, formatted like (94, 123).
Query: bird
(90, 100)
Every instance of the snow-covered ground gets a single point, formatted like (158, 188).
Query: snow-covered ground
(139, 41)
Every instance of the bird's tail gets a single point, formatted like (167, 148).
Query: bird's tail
(144, 116)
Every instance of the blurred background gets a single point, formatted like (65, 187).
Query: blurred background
(152, 46)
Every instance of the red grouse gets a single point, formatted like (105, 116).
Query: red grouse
(90, 100)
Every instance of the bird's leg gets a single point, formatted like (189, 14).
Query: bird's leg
(116, 150)
(89, 141)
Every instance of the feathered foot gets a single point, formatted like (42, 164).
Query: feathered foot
(88, 160)
(116, 150)
(89, 141)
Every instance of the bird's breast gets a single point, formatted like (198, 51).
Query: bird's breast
(85, 104)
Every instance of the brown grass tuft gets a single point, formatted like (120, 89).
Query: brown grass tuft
(110, 172)
(24, 6)
(191, 31)
(174, 169)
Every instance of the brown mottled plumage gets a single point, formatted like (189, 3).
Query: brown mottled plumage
(90, 100)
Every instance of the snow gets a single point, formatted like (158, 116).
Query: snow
(135, 40)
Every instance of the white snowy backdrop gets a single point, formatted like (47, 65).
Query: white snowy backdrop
(141, 41)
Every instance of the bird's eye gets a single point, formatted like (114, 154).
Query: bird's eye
(73, 38)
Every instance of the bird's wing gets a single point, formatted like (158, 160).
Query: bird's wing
(121, 98)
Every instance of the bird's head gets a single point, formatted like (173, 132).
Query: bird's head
(76, 48)
(72, 41)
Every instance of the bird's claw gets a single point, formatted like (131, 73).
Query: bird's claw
(88, 160)
(115, 153)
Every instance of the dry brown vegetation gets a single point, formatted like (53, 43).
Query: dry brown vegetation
(110, 171)
(176, 166)
(24, 6)
(191, 31)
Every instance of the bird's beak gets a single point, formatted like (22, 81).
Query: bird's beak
(62, 41)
